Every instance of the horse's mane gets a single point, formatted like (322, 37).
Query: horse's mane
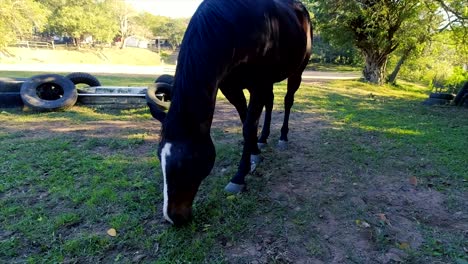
(214, 33)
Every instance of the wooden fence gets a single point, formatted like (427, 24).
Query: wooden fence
(35, 44)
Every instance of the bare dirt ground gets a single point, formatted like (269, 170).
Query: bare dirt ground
(330, 209)
(318, 205)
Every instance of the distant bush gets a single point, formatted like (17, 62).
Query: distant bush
(455, 81)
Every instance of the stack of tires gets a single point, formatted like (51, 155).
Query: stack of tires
(461, 99)
(10, 92)
(159, 95)
(439, 99)
(46, 92)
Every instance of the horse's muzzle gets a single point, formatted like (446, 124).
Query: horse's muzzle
(180, 216)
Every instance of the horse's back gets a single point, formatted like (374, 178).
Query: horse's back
(256, 41)
(271, 45)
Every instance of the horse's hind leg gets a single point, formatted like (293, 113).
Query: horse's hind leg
(294, 81)
(269, 98)
(249, 131)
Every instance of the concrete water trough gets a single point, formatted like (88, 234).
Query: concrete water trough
(113, 96)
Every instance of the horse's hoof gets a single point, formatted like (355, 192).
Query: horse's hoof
(254, 161)
(234, 188)
(282, 145)
(262, 145)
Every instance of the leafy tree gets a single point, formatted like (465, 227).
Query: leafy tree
(143, 24)
(19, 19)
(437, 65)
(456, 12)
(104, 27)
(123, 14)
(76, 18)
(416, 33)
(172, 29)
(440, 23)
(327, 51)
(373, 26)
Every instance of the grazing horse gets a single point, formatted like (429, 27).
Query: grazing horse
(230, 45)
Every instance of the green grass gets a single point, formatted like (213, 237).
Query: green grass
(61, 191)
(127, 56)
(333, 67)
(104, 79)
(437, 134)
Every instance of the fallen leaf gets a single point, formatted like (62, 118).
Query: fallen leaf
(382, 217)
(112, 232)
(362, 223)
(231, 197)
(413, 181)
(403, 245)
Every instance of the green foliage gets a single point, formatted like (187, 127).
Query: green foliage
(19, 19)
(438, 65)
(456, 80)
(172, 29)
(402, 31)
(325, 51)
(373, 27)
(84, 17)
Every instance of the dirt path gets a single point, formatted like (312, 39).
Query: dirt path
(330, 209)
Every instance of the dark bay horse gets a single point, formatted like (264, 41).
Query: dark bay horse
(230, 45)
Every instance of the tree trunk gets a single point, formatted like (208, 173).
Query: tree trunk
(374, 71)
(406, 53)
(124, 42)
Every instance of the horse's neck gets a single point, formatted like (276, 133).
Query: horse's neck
(202, 61)
(192, 107)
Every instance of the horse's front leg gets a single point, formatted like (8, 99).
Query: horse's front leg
(249, 131)
(262, 140)
(236, 97)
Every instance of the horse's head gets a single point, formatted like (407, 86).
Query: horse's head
(185, 163)
(184, 166)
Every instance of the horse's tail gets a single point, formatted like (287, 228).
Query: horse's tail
(304, 18)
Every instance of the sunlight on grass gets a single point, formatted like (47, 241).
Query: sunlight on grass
(396, 131)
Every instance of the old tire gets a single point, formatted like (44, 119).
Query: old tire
(445, 96)
(165, 78)
(83, 78)
(9, 85)
(49, 92)
(463, 91)
(9, 100)
(159, 95)
(436, 101)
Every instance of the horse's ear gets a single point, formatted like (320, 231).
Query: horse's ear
(157, 113)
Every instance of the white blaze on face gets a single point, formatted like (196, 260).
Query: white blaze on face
(165, 153)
